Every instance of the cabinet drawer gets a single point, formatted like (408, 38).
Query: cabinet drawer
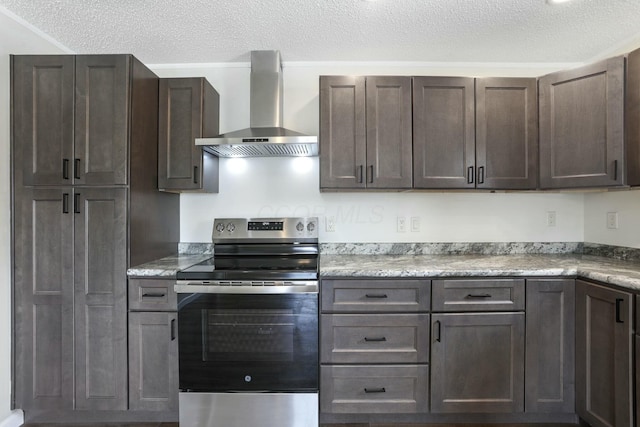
(152, 295)
(362, 338)
(478, 295)
(375, 295)
(374, 389)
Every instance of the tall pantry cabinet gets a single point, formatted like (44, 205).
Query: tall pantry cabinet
(85, 207)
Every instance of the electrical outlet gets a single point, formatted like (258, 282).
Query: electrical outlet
(612, 220)
(415, 224)
(330, 224)
(402, 224)
(551, 219)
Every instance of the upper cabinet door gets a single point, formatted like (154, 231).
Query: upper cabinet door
(443, 132)
(389, 132)
(42, 95)
(342, 132)
(506, 133)
(101, 119)
(189, 109)
(581, 126)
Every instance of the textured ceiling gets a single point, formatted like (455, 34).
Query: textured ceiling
(192, 31)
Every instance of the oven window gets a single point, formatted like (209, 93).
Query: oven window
(248, 335)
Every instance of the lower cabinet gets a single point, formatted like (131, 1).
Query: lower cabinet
(153, 346)
(477, 362)
(604, 362)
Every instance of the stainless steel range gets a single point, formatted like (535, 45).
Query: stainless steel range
(248, 327)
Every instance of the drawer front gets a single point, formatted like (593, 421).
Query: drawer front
(152, 295)
(377, 389)
(374, 295)
(385, 338)
(478, 295)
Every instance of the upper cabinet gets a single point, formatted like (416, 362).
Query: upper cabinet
(365, 132)
(632, 116)
(189, 109)
(582, 126)
(73, 115)
(474, 133)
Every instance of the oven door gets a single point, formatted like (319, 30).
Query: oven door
(248, 342)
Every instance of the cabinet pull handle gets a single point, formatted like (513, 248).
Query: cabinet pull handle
(375, 390)
(478, 296)
(65, 168)
(470, 175)
(376, 339)
(76, 203)
(359, 174)
(481, 175)
(370, 174)
(376, 295)
(76, 168)
(438, 330)
(619, 318)
(65, 203)
(173, 329)
(615, 170)
(195, 174)
(153, 295)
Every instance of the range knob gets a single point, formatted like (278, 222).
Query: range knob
(300, 226)
(230, 227)
(220, 227)
(311, 226)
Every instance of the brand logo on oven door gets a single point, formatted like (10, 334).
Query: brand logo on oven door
(247, 378)
(262, 331)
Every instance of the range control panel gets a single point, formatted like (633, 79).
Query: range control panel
(260, 229)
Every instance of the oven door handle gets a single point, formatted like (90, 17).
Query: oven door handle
(298, 287)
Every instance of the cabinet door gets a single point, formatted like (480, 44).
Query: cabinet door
(342, 132)
(604, 366)
(42, 94)
(477, 362)
(153, 361)
(444, 136)
(389, 132)
(632, 121)
(188, 110)
(581, 126)
(101, 119)
(550, 347)
(43, 285)
(100, 277)
(506, 133)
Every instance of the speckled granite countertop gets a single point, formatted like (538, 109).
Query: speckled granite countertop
(621, 273)
(166, 267)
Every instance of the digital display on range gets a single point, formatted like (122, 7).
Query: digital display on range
(265, 225)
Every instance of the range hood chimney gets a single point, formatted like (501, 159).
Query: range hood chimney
(266, 137)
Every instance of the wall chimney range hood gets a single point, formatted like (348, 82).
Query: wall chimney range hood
(266, 137)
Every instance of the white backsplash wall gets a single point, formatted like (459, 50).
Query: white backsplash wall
(289, 187)
(626, 204)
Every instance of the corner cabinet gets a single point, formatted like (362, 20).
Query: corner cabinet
(83, 186)
(604, 362)
(365, 132)
(475, 133)
(582, 126)
(189, 109)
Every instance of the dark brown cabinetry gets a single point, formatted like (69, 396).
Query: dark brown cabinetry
(488, 376)
(475, 133)
(85, 208)
(374, 347)
(550, 346)
(189, 109)
(153, 345)
(365, 132)
(604, 355)
(582, 126)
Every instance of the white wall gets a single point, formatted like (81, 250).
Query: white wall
(626, 204)
(16, 37)
(289, 187)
